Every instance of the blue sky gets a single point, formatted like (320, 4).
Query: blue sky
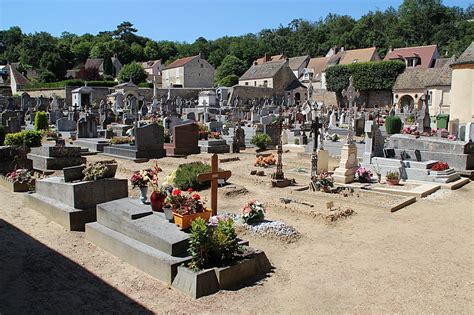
(181, 20)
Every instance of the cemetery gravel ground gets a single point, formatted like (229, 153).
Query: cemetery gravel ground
(419, 259)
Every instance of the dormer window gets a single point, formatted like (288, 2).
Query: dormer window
(413, 62)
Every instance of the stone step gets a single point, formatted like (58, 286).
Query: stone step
(424, 165)
(138, 222)
(148, 259)
(44, 163)
(69, 217)
(94, 145)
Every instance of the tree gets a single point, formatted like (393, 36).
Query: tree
(132, 72)
(230, 66)
(52, 63)
(229, 80)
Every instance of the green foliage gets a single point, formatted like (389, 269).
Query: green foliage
(212, 246)
(52, 66)
(261, 140)
(393, 124)
(297, 141)
(230, 68)
(146, 85)
(29, 138)
(186, 176)
(72, 82)
(229, 80)
(134, 72)
(367, 75)
(41, 121)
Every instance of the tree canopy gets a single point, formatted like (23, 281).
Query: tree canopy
(415, 22)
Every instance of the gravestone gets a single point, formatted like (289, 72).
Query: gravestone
(47, 157)
(273, 131)
(148, 144)
(64, 124)
(453, 126)
(13, 125)
(53, 116)
(87, 127)
(214, 146)
(469, 134)
(185, 140)
(25, 101)
(373, 141)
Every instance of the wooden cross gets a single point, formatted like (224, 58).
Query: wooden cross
(213, 177)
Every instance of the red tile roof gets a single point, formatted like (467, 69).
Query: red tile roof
(18, 77)
(180, 62)
(425, 53)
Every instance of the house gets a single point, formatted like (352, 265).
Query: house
(189, 72)
(298, 64)
(315, 72)
(421, 57)
(153, 68)
(462, 88)
(17, 80)
(358, 55)
(276, 75)
(98, 63)
(433, 84)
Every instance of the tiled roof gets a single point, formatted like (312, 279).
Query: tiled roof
(318, 65)
(94, 63)
(266, 70)
(180, 62)
(360, 55)
(150, 63)
(467, 57)
(416, 79)
(267, 58)
(18, 77)
(296, 62)
(425, 53)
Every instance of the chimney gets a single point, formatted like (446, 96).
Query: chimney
(342, 49)
(390, 49)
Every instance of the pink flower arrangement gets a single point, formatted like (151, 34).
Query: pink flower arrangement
(452, 137)
(363, 175)
(253, 211)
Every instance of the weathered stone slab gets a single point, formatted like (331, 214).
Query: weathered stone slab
(148, 259)
(58, 152)
(93, 144)
(214, 146)
(73, 173)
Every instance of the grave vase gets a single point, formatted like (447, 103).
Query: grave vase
(143, 194)
(157, 199)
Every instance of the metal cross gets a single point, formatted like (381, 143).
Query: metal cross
(314, 155)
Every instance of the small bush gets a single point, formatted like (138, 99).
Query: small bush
(146, 85)
(393, 124)
(29, 138)
(41, 121)
(261, 140)
(297, 141)
(186, 176)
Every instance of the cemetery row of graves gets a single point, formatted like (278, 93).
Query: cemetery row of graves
(65, 160)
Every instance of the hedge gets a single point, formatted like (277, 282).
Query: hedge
(29, 138)
(145, 85)
(73, 82)
(41, 121)
(367, 75)
(393, 125)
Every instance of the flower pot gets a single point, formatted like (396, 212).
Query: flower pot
(157, 199)
(168, 213)
(393, 182)
(143, 194)
(185, 221)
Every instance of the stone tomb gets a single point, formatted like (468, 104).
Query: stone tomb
(50, 157)
(93, 144)
(73, 204)
(149, 242)
(185, 140)
(214, 146)
(148, 144)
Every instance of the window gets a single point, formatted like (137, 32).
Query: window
(255, 83)
(246, 83)
(265, 83)
(202, 65)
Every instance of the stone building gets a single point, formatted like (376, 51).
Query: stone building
(434, 84)
(17, 80)
(98, 63)
(189, 72)
(153, 68)
(298, 64)
(462, 87)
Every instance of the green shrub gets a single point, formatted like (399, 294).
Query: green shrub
(212, 246)
(411, 119)
(71, 82)
(261, 140)
(41, 121)
(297, 141)
(393, 125)
(29, 138)
(186, 176)
(145, 85)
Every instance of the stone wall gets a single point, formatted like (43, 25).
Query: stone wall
(250, 92)
(322, 95)
(65, 93)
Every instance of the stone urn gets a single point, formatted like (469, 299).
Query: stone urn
(143, 194)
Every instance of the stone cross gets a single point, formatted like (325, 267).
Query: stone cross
(213, 177)
(314, 155)
(351, 94)
(279, 172)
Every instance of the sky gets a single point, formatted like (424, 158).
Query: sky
(178, 20)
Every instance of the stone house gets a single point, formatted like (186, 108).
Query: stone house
(153, 68)
(420, 57)
(462, 87)
(189, 72)
(266, 58)
(432, 84)
(17, 80)
(298, 64)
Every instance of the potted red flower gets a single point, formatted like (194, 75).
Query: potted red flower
(158, 195)
(187, 207)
